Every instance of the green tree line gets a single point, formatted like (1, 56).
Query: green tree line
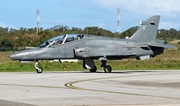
(20, 38)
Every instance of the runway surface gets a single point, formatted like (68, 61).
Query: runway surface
(119, 88)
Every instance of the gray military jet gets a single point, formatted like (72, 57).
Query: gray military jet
(141, 45)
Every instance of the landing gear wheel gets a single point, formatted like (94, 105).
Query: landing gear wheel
(39, 70)
(107, 69)
(93, 70)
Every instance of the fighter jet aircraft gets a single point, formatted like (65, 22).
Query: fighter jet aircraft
(141, 45)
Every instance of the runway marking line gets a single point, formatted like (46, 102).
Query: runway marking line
(71, 86)
(39, 86)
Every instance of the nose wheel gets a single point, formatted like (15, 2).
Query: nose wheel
(38, 69)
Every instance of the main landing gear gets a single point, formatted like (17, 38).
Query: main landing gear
(107, 68)
(38, 69)
(89, 64)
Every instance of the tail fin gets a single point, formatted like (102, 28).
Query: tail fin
(148, 29)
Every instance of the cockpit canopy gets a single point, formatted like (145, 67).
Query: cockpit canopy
(61, 39)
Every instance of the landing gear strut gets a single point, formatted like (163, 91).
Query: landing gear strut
(89, 64)
(107, 68)
(38, 69)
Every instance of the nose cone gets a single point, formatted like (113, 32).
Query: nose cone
(13, 56)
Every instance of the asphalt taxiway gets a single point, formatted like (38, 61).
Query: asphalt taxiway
(119, 88)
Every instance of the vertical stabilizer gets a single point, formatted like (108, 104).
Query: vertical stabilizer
(148, 29)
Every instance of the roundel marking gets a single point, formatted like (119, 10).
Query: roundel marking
(87, 51)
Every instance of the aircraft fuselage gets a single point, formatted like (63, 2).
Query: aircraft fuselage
(90, 46)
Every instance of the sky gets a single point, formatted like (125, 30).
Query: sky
(84, 13)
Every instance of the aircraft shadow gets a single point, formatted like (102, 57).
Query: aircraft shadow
(99, 71)
(129, 71)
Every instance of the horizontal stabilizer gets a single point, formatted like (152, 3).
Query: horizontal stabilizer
(161, 45)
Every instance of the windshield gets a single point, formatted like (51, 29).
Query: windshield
(61, 39)
(58, 39)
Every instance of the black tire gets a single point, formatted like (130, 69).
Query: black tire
(93, 70)
(107, 69)
(40, 70)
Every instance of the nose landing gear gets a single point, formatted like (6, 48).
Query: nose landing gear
(38, 69)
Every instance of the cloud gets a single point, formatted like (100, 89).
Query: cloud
(3, 25)
(142, 7)
(167, 25)
(82, 13)
(132, 11)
